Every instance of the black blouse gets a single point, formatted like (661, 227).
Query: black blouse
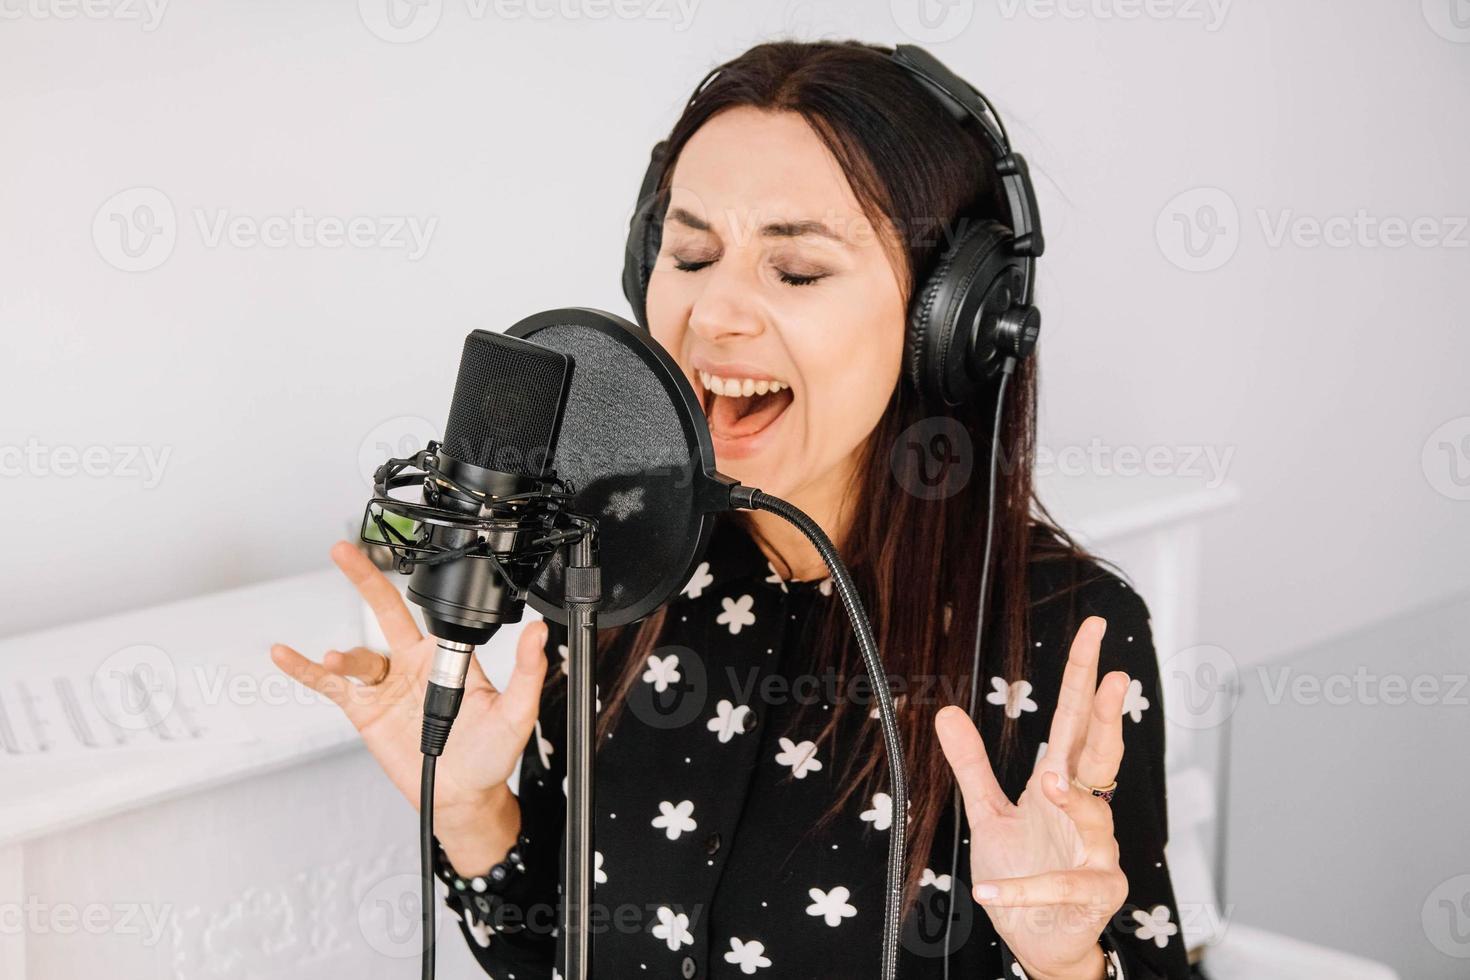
(710, 860)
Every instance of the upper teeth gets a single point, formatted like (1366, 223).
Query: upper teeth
(739, 387)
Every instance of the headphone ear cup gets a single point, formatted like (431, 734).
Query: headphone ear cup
(938, 345)
(645, 234)
(647, 258)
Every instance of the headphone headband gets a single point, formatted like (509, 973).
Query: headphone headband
(964, 101)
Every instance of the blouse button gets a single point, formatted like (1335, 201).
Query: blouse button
(712, 844)
(748, 722)
(688, 968)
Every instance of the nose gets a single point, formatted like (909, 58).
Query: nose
(727, 308)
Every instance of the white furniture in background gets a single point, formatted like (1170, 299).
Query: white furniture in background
(289, 855)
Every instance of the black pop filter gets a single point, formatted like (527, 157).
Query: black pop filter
(636, 449)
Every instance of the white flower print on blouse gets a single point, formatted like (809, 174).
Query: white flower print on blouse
(825, 586)
(698, 582)
(598, 875)
(565, 654)
(662, 671)
(479, 930)
(749, 956)
(672, 928)
(831, 907)
(729, 720)
(1134, 703)
(775, 577)
(674, 819)
(1016, 697)
(1154, 925)
(941, 882)
(737, 614)
(881, 815)
(801, 757)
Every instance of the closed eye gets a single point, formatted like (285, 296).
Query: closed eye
(789, 278)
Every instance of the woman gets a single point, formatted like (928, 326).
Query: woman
(741, 813)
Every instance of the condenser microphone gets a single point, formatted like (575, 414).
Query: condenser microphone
(489, 493)
(497, 452)
(499, 444)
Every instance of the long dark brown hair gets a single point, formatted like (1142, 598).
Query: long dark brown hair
(919, 175)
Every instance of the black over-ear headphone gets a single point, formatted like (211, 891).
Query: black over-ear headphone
(974, 310)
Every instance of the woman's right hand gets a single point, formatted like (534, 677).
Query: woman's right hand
(489, 734)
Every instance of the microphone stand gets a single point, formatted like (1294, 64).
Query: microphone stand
(583, 596)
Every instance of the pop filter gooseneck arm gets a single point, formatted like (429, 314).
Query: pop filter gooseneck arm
(748, 498)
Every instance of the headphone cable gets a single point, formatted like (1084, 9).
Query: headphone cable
(1007, 367)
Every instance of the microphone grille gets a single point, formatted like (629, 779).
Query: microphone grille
(508, 404)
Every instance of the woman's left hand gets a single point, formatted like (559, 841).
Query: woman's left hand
(1046, 867)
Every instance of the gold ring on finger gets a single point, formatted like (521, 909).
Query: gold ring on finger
(1104, 793)
(382, 674)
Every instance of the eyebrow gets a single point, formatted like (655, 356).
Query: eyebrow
(775, 229)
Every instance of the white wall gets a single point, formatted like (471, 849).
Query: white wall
(262, 372)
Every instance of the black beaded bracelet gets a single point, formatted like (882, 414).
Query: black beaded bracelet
(480, 893)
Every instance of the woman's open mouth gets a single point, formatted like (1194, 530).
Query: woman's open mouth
(741, 408)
